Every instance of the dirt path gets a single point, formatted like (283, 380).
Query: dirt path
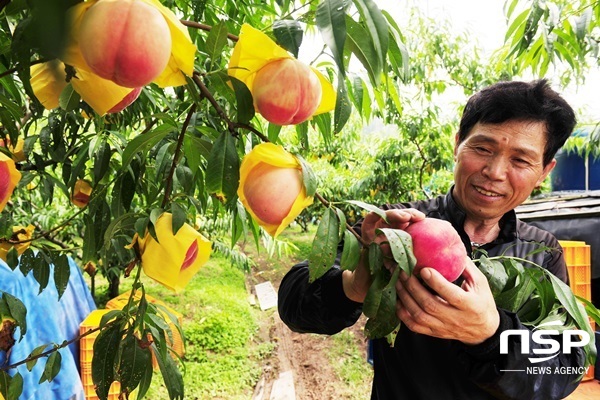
(305, 355)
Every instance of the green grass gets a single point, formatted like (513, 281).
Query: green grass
(222, 359)
(350, 364)
(224, 351)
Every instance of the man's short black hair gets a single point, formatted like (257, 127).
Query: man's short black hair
(532, 101)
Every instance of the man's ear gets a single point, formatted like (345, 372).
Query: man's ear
(455, 145)
(547, 169)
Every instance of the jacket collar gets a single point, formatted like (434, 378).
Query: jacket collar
(456, 215)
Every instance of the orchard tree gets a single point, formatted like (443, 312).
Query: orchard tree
(560, 33)
(559, 37)
(141, 136)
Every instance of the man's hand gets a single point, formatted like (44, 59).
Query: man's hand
(467, 313)
(356, 283)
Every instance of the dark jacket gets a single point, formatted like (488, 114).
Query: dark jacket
(428, 368)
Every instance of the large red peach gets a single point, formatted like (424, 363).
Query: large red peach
(271, 191)
(286, 92)
(125, 41)
(437, 245)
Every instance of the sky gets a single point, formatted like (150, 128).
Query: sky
(486, 21)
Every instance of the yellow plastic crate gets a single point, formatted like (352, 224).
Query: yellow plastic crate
(578, 257)
(177, 343)
(86, 353)
(579, 264)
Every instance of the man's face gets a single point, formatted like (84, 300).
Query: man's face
(498, 166)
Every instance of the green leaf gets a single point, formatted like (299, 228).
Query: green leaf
(342, 222)
(33, 359)
(128, 182)
(514, 298)
(12, 258)
(171, 376)
(351, 251)
(324, 247)
(359, 43)
(12, 387)
(145, 382)
(142, 143)
(590, 309)
(179, 217)
(495, 273)
(302, 134)
(397, 51)
(401, 245)
(288, 34)
(134, 363)
(567, 299)
(377, 28)
(369, 207)
(69, 98)
(308, 176)
(356, 93)
(219, 84)
(185, 178)
(381, 305)
(223, 169)
(52, 367)
(18, 311)
(106, 345)
(343, 108)
(375, 293)
(62, 272)
(375, 259)
(323, 122)
(273, 131)
(41, 271)
(216, 40)
(331, 21)
(195, 149)
(245, 105)
(102, 158)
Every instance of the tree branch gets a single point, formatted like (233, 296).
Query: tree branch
(169, 183)
(204, 27)
(48, 352)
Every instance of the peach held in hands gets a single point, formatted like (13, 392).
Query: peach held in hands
(437, 245)
(125, 41)
(286, 92)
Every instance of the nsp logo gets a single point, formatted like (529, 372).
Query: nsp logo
(571, 338)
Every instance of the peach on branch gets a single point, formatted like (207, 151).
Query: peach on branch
(127, 100)
(437, 245)
(125, 41)
(271, 191)
(16, 150)
(182, 54)
(9, 177)
(20, 240)
(174, 259)
(285, 91)
(81, 193)
(272, 187)
(48, 80)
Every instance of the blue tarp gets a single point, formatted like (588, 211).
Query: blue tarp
(49, 321)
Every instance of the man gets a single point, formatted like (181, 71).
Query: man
(448, 344)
